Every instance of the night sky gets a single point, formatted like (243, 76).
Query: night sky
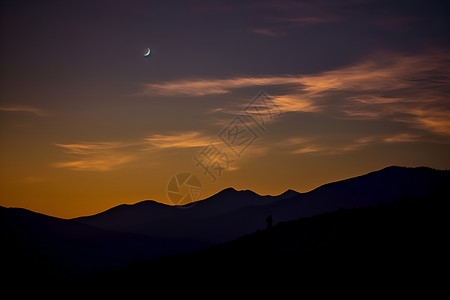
(87, 122)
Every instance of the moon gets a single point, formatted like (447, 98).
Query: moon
(148, 53)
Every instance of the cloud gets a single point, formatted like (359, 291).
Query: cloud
(267, 31)
(352, 146)
(402, 138)
(108, 156)
(27, 109)
(301, 21)
(304, 145)
(384, 73)
(307, 149)
(411, 89)
(322, 146)
(88, 147)
(201, 87)
(96, 156)
(96, 163)
(434, 119)
(190, 139)
(281, 18)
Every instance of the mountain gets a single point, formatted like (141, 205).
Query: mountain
(230, 213)
(375, 246)
(150, 214)
(35, 243)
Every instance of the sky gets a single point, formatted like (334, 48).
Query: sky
(259, 95)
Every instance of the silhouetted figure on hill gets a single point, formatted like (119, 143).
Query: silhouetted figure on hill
(269, 222)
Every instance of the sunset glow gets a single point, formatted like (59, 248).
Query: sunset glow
(88, 123)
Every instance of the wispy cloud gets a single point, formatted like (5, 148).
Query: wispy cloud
(108, 156)
(307, 149)
(286, 16)
(24, 109)
(301, 145)
(283, 17)
(402, 138)
(322, 146)
(87, 147)
(202, 87)
(96, 156)
(411, 89)
(96, 163)
(267, 31)
(306, 20)
(281, 26)
(189, 139)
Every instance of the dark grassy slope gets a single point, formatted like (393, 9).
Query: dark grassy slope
(395, 241)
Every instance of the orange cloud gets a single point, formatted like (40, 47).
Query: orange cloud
(402, 138)
(106, 162)
(310, 145)
(408, 89)
(433, 119)
(107, 156)
(303, 145)
(179, 140)
(411, 89)
(202, 87)
(86, 147)
(23, 108)
(307, 149)
(96, 156)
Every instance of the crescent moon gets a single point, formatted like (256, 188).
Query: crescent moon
(148, 52)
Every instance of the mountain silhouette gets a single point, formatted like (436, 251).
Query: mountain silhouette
(145, 216)
(53, 246)
(231, 213)
(370, 245)
(36, 243)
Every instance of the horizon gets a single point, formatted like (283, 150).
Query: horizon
(231, 188)
(107, 103)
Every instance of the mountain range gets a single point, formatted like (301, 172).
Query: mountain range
(230, 213)
(395, 243)
(125, 234)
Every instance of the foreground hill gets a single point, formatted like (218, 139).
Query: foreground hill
(34, 244)
(389, 244)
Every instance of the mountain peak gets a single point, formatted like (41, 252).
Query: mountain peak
(406, 168)
(228, 190)
(231, 190)
(288, 194)
(221, 217)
